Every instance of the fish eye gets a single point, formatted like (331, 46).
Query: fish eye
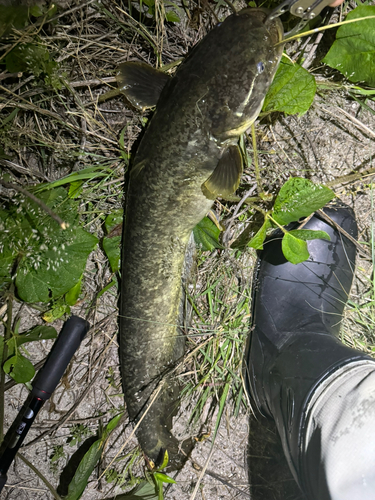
(260, 67)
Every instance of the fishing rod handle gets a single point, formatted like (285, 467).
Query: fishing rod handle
(58, 359)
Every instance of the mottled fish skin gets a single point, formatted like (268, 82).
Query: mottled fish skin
(214, 96)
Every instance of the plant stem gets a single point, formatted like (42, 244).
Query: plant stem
(40, 475)
(277, 224)
(256, 163)
(7, 335)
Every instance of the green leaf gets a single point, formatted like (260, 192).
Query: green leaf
(309, 234)
(13, 16)
(89, 461)
(7, 257)
(165, 461)
(298, 198)
(84, 470)
(58, 309)
(113, 219)
(353, 52)
(144, 491)
(32, 58)
(172, 17)
(89, 173)
(206, 235)
(112, 245)
(112, 249)
(60, 267)
(75, 189)
(163, 478)
(292, 90)
(257, 240)
(41, 332)
(72, 295)
(113, 423)
(294, 249)
(50, 260)
(19, 368)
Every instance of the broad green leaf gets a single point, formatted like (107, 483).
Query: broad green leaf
(353, 52)
(292, 90)
(50, 260)
(294, 249)
(41, 332)
(112, 248)
(84, 470)
(113, 219)
(88, 463)
(19, 368)
(60, 267)
(257, 240)
(206, 235)
(112, 244)
(298, 198)
(309, 234)
(144, 491)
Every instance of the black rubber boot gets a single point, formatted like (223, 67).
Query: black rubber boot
(297, 310)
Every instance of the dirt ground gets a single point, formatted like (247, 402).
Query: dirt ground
(333, 139)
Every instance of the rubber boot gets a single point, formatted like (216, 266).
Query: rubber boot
(297, 311)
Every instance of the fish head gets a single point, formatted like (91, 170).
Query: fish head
(250, 52)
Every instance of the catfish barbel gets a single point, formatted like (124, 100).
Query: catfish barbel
(187, 157)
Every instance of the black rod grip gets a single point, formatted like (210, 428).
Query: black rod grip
(58, 359)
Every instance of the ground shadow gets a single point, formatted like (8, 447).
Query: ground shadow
(269, 474)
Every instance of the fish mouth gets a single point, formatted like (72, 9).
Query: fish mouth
(274, 26)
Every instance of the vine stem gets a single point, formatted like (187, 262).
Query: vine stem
(40, 203)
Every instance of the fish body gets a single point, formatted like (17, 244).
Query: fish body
(187, 156)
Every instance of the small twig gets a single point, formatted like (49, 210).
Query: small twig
(40, 203)
(92, 83)
(22, 170)
(40, 475)
(353, 121)
(203, 471)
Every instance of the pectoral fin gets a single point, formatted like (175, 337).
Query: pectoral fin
(141, 84)
(226, 177)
